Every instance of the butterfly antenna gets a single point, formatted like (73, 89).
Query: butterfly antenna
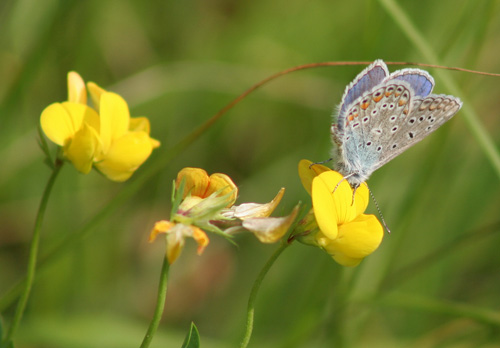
(321, 162)
(378, 209)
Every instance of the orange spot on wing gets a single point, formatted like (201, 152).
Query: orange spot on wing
(402, 102)
(350, 118)
(388, 94)
(364, 106)
(377, 99)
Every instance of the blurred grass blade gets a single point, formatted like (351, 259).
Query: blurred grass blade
(192, 338)
(455, 245)
(468, 114)
(454, 309)
(2, 343)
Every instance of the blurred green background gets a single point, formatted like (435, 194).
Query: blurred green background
(434, 282)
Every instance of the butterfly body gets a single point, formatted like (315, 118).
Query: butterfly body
(381, 115)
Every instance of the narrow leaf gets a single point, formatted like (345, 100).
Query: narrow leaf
(192, 339)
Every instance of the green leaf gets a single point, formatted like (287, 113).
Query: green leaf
(192, 339)
(177, 196)
(45, 148)
(4, 344)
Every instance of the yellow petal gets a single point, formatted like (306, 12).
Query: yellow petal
(82, 148)
(269, 229)
(175, 244)
(139, 124)
(325, 210)
(342, 194)
(60, 121)
(356, 240)
(142, 124)
(201, 239)
(196, 181)
(254, 210)
(115, 118)
(124, 156)
(95, 94)
(308, 171)
(154, 143)
(218, 181)
(162, 226)
(76, 89)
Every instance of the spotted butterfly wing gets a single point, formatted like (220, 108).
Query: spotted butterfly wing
(374, 74)
(388, 119)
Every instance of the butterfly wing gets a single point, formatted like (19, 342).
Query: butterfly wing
(419, 80)
(385, 122)
(426, 115)
(373, 75)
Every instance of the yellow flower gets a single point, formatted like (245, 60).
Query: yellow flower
(341, 228)
(207, 203)
(176, 233)
(199, 184)
(111, 140)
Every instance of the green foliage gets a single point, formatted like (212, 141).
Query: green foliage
(433, 282)
(2, 343)
(192, 338)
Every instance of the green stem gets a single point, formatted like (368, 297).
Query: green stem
(160, 305)
(35, 241)
(255, 290)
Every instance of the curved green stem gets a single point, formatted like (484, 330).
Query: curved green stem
(255, 290)
(160, 305)
(35, 241)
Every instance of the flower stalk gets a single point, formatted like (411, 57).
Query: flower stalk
(33, 255)
(255, 290)
(160, 304)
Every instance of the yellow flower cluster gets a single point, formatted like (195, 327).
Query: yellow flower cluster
(208, 204)
(337, 222)
(104, 137)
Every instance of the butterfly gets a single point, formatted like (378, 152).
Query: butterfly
(381, 115)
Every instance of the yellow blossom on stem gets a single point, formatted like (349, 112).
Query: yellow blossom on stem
(206, 203)
(341, 228)
(105, 137)
(176, 234)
